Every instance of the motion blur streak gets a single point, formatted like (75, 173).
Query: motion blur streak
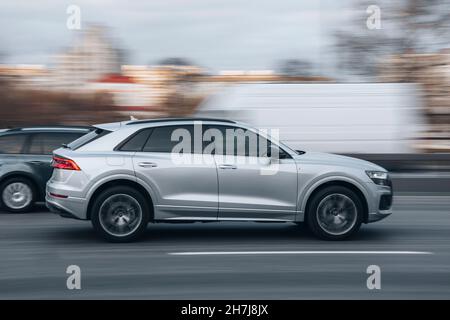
(293, 252)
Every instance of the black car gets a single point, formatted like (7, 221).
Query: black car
(25, 163)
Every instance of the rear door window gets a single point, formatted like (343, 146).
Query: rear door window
(13, 143)
(46, 142)
(170, 139)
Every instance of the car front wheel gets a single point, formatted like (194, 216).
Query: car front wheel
(334, 213)
(120, 214)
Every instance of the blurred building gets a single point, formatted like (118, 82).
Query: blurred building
(162, 80)
(93, 66)
(130, 97)
(92, 55)
(261, 76)
(25, 75)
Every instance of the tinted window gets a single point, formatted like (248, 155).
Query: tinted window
(238, 141)
(12, 143)
(46, 142)
(136, 142)
(88, 137)
(173, 139)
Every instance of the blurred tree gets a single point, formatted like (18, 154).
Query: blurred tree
(295, 68)
(406, 26)
(180, 104)
(23, 107)
(175, 61)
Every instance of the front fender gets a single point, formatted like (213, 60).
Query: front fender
(315, 183)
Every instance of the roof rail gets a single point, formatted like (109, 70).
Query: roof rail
(50, 127)
(156, 120)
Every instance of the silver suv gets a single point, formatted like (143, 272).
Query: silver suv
(123, 175)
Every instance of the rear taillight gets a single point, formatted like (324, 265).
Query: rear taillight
(64, 164)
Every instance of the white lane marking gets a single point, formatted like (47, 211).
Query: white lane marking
(205, 253)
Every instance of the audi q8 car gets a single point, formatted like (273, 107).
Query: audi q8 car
(25, 163)
(124, 175)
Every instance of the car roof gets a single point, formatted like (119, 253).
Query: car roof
(156, 120)
(113, 126)
(51, 128)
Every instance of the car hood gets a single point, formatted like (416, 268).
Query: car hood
(337, 160)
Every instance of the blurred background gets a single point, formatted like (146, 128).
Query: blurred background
(370, 79)
(366, 78)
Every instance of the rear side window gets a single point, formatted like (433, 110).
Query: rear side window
(136, 142)
(12, 143)
(87, 138)
(161, 139)
(46, 142)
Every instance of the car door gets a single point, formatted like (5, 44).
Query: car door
(12, 148)
(185, 184)
(38, 153)
(251, 186)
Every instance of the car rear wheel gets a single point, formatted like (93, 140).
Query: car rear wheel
(17, 195)
(335, 213)
(120, 214)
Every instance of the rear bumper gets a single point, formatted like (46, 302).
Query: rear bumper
(67, 207)
(55, 208)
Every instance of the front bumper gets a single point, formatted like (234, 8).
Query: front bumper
(381, 206)
(377, 216)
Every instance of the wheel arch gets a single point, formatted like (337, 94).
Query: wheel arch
(121, 182)
(338, 182)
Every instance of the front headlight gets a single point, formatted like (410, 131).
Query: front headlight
(379, 177)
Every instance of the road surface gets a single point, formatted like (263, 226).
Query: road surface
(230, 260)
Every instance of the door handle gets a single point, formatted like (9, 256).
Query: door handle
(39, 162)
(227, 166)
(147, 164)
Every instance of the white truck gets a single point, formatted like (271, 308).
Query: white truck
(330, 117)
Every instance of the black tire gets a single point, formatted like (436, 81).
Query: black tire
(332, 194)
(112, 198)
(31, 199)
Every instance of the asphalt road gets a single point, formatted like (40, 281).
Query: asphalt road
(36, 248)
